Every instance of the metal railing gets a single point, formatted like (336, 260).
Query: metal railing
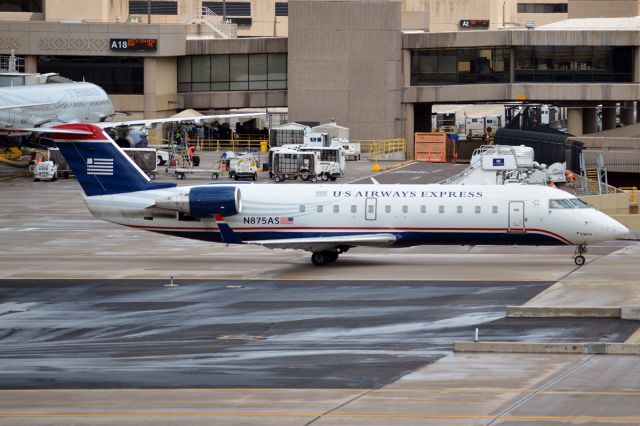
(633, 193)
(219, 145)
(208, 17)
(379, 148)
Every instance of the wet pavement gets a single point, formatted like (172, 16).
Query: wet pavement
(219, 333)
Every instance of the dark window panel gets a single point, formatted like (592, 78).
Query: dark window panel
(116, 75)
(542, 8)
(32, 6)
(233, 8)
(282, 9)
(157, 8)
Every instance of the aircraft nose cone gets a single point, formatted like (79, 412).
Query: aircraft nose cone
(619, 230)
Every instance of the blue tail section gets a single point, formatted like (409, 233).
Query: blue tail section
(100, 166)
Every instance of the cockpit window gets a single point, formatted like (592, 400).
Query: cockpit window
(571, 203)
(561, 204)
(580, 204)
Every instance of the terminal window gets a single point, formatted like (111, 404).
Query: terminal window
(543, 8)
(116, 75)
(282, 9)
(31, 6)
(230, 8)
(214, 73)
(460, 66)
(153, 7)
(573, 64)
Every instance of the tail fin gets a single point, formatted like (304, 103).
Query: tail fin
(101, 167)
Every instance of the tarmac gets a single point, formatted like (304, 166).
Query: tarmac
(368, 340)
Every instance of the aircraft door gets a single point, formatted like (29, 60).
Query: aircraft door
(370, 208)
(516, 216)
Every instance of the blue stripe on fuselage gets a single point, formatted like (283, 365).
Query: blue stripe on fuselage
(405, 238)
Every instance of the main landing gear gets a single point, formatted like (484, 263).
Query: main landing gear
(579, 258)
(321, 258)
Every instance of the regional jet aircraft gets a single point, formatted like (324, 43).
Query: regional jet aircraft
(327, 220)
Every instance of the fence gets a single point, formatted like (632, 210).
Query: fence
(384, 149)
(235, 145)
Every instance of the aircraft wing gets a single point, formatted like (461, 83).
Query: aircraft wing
(326, 243)
(195, 118)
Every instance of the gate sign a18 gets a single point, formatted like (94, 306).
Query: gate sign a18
(133, 44)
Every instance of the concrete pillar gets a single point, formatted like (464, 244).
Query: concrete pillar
(160, 87)
(574, 121)
(31, 64)
(406, 67)
(608, 116)
(627, 113)
(409, 128)
(589, 123)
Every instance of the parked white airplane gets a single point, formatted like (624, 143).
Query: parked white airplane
(330, 219)
(49, 104)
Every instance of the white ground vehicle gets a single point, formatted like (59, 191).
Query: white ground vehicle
(332, 160)
(45, 170)
(287, 163)
(243, 167)
(351, 149)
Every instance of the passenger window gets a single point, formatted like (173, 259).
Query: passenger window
(302, 208)
(370, 208)
(405, 209)
(478, 210)
(441, 209)
(423, 209)
(494, 209)
(354, 208)
(459, 209)
(387, 209)
(319, 209)
(336, 208)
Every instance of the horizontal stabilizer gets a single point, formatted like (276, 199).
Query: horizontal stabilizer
(325, 243)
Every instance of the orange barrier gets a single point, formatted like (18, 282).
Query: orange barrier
(434, 148)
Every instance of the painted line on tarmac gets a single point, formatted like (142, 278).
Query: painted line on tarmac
(378, 173)
(332, 415)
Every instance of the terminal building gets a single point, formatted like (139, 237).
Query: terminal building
(376, 66)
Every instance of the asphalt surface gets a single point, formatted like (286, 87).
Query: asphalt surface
(332, 334)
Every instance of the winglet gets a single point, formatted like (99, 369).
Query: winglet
(228, 236)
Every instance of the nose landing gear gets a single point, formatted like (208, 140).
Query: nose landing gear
(578, 258)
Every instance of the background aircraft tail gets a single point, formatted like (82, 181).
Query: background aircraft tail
(100, 166)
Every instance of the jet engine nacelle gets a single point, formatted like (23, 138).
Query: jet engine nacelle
(205, 201)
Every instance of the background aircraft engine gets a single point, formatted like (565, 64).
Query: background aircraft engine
(206, 201)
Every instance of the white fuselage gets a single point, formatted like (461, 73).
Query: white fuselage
(54, 103)
(415, 214)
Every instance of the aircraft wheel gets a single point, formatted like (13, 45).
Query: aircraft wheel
(319, 258)
(579, 260)
(332, 256)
